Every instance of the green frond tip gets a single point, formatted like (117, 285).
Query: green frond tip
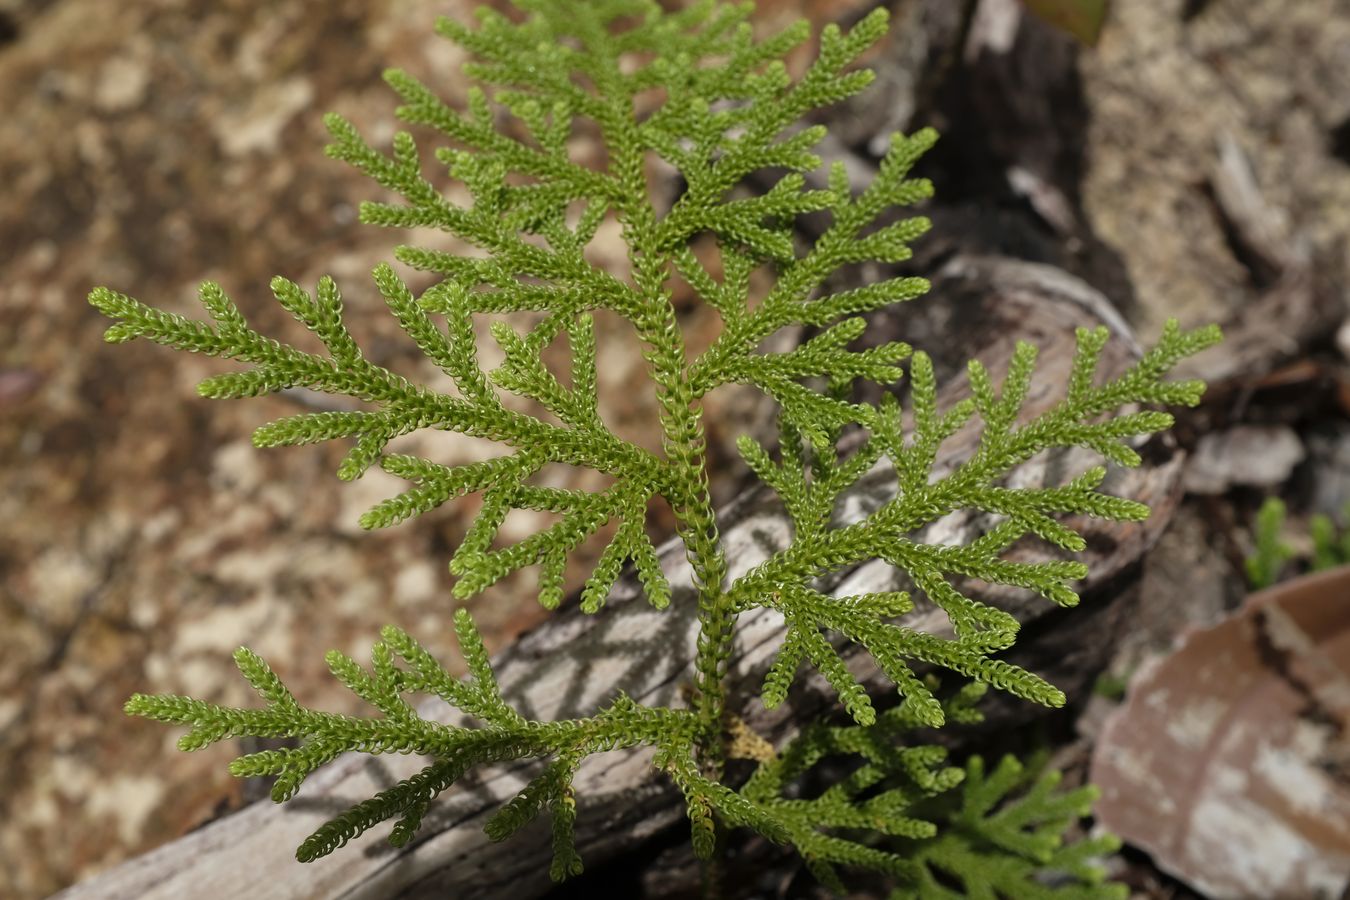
(264, 680)
(1331, 545)
(1002, 833)
(1270, 552)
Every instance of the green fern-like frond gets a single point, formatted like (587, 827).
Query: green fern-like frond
(533, 212)
(902, 812)
(811, 483)
(402, 407)
(1331, 545)
(1270, 552)
(399, 667)
(848, 823)
(694, 89)
(1001, 835)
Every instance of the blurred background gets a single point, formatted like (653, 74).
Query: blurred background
(1186, 158)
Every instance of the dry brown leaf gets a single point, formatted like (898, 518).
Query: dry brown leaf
(1229, 762)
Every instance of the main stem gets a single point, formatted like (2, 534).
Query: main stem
(683, 439)
(686, 447)
(682, 436)
(684, 443)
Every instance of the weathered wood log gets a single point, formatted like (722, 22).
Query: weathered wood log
(574, 663)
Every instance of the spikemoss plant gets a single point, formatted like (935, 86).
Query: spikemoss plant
(1271, 553)
(728, 108)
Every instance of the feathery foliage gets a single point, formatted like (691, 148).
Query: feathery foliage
(905, 814)
(1331, 544)
(1270, 552)
(399, 666)
(725, 108)
(1001, 834)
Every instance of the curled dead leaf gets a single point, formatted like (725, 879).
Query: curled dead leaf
(1229, 762)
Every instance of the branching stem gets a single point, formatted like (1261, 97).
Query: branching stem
(727, 108)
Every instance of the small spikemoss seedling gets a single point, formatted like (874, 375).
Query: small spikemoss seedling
(728, 109)
(1271, 554)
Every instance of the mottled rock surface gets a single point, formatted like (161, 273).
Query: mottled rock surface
(1171, 81)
